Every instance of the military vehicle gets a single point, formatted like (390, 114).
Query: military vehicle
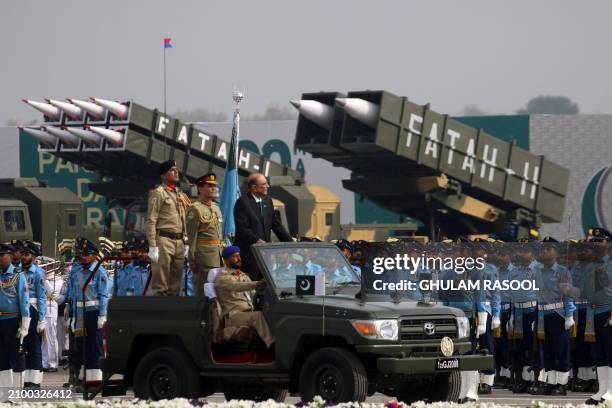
(454, 178)
(340, 344)
(126, 141)
(25, 203)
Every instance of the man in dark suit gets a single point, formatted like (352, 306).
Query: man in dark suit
(255, 219)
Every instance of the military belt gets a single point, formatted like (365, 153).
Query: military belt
(525, 305)
(203, 241)
(171, 235)
(506, 306)
(551, 306)
(8, 313)
(88, 303)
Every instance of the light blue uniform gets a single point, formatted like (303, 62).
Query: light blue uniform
(37, 290)
(96, 295)
(14, 294)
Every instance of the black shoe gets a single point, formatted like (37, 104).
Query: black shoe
(466, 400)
(484, 389)
(579, 385)
(521, 387)
(499, 382)
(591, 401)
(558, 390)
(592, 386)
(540, 389)
(52, 370)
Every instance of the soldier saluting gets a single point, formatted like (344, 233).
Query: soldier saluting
(204, 231)
(166, 231)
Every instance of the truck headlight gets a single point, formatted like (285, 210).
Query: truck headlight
(377, 329)
(463, 327)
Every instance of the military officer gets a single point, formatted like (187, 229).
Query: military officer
(204, 231)
(51, 349)
(142, 279)
(35, 275)
(166, 231)
(89, 310)
(599, 321)
(14, 306)
(235, 290)
(123, 284)
(556, 315)
(18, 245)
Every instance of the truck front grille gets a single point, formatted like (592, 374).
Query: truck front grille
(415, 328)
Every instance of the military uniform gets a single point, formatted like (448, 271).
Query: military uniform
(205, 236)
(38, 311)
(13, 306)
(235, 290)
(50, 350)
(166, 231)
(89, 313)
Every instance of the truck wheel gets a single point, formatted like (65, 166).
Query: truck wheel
(335, 374)
(166, 373)
(446, 387)
(443, 387)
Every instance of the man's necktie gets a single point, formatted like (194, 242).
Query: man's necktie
(261, 207)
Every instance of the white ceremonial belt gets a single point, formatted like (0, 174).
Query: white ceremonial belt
(88, 303)
(581, 302)
(525, 305)
(506, 306)
(551, 306)
(33, 301)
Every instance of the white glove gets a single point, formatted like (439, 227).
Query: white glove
(41, 326)
(73, 324)
(154, 254)
(495, 323)
(186, 250)
(533, 326)
(101, 321)
(510, 325)
(610, 321)
(22, 331)
(482, 324)
(569, 322)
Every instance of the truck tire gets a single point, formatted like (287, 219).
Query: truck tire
(335, 374)
(166, 373)
(255, 393)
(443, 387)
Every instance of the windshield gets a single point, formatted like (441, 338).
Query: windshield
(286, 262)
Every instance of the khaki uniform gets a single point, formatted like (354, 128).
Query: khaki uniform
(205, 240)
(234, 291)
(165, 230)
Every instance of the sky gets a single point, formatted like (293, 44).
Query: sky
(493, 54)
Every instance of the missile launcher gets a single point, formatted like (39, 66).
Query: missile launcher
(410, 159)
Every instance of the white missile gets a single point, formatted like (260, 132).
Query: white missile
(110, 135)
(63, 135)
(86, 135)
(73, 111)
(319, 113)
(50, 111)
(116, 108)
(360, 109)
(40, 135)
(94, 110)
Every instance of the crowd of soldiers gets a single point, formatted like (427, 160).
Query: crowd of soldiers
(549, 336)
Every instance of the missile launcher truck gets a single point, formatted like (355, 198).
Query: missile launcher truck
(126, 141)
(455, 179)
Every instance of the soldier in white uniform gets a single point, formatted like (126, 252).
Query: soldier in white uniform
(50, 349)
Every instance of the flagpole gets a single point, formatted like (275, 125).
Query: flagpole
(165, 78)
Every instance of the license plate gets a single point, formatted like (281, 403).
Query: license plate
(447, 364)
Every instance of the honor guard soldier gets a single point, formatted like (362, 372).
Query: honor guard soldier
(35, 275)
(14, 308)
(166, 231)
(125, 275)
(51, 348)
(18, 245)
(521, 326)
(89, 310)
(204, 231)
(599, 315)
(503, 261)
(555, 317)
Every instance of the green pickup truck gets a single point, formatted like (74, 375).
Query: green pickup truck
(343, 345)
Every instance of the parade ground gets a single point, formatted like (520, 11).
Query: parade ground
(500, 397)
